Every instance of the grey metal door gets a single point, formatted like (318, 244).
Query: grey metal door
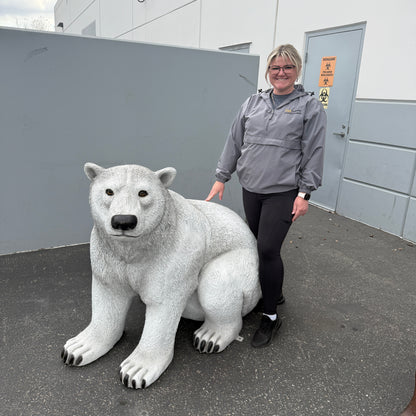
(331, 71)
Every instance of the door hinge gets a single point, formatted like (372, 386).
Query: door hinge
(306, 57)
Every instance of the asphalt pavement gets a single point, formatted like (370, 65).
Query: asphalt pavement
(347, 345)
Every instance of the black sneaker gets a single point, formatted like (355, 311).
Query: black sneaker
(264, 334)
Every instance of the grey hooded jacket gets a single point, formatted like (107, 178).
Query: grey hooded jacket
(276, 150)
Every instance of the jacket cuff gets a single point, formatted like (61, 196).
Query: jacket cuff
(221, 178)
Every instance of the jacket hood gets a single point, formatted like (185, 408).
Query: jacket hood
(299, 91)
(298, 88)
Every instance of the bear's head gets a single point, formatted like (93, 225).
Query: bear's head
(128, 201)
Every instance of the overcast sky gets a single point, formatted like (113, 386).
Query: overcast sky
(22, 13)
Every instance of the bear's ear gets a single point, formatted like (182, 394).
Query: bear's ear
(166, 176)
(92, 170)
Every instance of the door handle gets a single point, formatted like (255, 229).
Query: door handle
(342, 134)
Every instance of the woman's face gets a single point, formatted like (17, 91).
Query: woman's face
(283, 81)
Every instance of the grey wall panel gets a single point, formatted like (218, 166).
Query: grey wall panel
(66, 100)
(382, 166)
(379, 169)
(381, 209)
(413, 191)
(384, 122)
(410, 225)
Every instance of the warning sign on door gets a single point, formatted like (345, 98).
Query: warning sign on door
(326, 77)
(324, 97)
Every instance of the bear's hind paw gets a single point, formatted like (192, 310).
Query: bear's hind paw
(202, 346)
(211, 338)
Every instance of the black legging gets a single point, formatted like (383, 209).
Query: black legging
(269, 217)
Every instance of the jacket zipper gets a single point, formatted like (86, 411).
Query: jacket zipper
(275, 109)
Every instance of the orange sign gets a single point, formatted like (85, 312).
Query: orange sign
(326, 77)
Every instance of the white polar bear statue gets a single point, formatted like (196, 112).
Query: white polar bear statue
(187, 258)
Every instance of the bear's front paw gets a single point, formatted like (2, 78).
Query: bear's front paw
(86, 347)
(72, 353)
(140, 370)
(70, 359)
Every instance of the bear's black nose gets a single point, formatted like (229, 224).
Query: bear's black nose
(124, 222)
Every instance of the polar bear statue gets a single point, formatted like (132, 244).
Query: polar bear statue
(183, 257)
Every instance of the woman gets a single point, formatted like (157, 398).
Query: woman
(276, 145)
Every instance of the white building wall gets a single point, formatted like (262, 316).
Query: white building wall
(390, 30)
(178, 26)
(389, 42)
(77, 15)
(115, 18)
(147, 11)
(225, 23)
(62, 14)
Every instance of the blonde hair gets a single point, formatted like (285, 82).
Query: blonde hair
(288, 52)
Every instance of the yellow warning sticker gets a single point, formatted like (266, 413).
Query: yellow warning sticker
(324, 97)
(326, 77)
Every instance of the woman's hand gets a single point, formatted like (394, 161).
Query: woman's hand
(217, 188)
(300, 208)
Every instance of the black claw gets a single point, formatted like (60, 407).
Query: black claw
(78, 361)
(121, 376)
(210, 345)
(202, 347)
(143, 384)
(133, 383)
(126, 380)
(62, 352)
(216, 348)
(65, 356)
(71, 359)
(196, 342)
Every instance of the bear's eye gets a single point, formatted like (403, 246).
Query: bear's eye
(109, 192)
(143, 194)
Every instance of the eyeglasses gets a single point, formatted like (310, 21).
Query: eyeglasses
(286, 68)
